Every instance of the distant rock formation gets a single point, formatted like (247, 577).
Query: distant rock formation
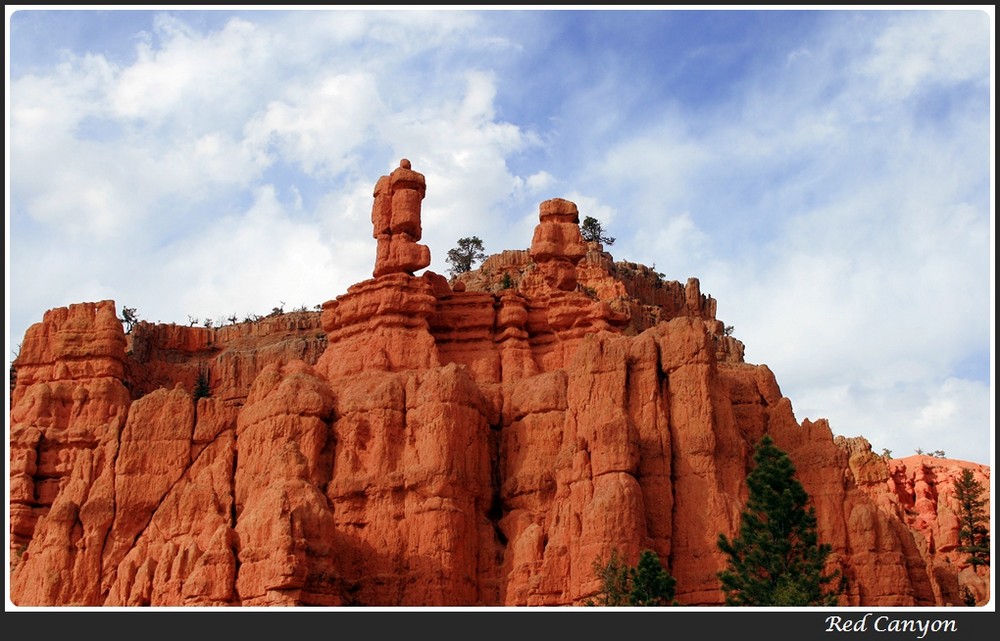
(422, 442)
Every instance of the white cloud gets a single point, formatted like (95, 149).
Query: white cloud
(591, 206)
(539, 182)
(321, 125)
(837, 206)
(796, 55)
(922, 49)
(934, 413)
(844, 235)
(249, 263)
(153, 162)
(186, 74)
(399, 33)
(462, 150)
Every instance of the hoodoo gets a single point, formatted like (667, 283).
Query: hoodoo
(426, 442)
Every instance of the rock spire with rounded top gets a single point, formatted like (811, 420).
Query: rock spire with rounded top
(396, 222)
(557, 245)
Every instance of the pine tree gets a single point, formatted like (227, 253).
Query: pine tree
(614, 576)
(593, 231)
(651, 584)
(646, 584)
(776, 560)
(462, 257)
(129, 318)
(974, 532)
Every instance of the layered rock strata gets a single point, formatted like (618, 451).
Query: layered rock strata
(422, 442)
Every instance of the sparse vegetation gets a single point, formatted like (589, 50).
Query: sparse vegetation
(776, 560)
(201, 385)
(129, 318)
(593, 231)
(461, 258)
(506, 282)
(728, 331)
(234, 319)
(886, 453)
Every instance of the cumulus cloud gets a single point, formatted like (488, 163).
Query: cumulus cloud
(284, 260)
(319, 126)
(183, 72)
(160, 161)
(538, 182)
(831, 191)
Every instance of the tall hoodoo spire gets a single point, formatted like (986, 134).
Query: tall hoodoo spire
(396, 222)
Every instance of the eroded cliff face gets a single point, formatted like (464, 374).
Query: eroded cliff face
(422, 442)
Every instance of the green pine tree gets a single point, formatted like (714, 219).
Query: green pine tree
(646, 584)
(592, 230)
(776, 560)
(651, 584)
(973, 522)
(614, 581)
(468, 252)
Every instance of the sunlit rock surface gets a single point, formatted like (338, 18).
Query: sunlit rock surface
(426, 442)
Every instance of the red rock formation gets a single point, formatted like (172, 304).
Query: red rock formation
(632, 292)
(919, 493)
(171, 541)
(419, 443)
(396, 219)
(284, 526)
(557, 245)
(67, 411)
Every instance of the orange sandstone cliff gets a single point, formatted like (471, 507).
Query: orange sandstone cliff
(422, 442)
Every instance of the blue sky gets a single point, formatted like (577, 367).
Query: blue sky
(827, 175)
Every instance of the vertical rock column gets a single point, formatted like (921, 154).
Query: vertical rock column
(411, 490)
(67, 410)
(410, 487)
(396, 219)
(559, 315)
(284, 526)
(381, 324)
(557, 245)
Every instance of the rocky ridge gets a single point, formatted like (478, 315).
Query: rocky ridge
(426, 442)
